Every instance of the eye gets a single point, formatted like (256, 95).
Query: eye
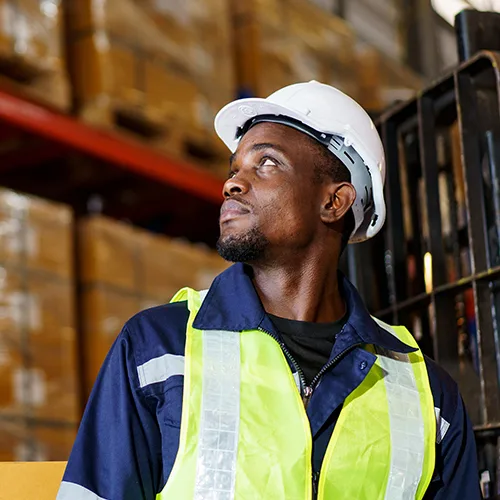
(268, 162)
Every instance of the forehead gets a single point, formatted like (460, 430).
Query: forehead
(287, 139)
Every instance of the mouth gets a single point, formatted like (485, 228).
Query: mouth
(232, 209)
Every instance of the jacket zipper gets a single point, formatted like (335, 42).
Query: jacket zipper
(306, 391)
(310, 389)
(315, 480)
(286, 352)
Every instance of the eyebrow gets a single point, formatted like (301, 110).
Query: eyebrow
(259, 147)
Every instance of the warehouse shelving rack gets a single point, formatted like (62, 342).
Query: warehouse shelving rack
(46, 153)
(435, 268)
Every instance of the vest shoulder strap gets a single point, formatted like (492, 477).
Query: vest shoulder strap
(194, 298)
(400, 332)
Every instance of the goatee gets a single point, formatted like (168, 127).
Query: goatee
(249, 247)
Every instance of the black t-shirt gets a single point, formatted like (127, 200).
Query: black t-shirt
(310, 344)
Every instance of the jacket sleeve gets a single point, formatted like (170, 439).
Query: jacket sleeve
(456, 474)
(116, 455)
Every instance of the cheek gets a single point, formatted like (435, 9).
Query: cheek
(287, 216)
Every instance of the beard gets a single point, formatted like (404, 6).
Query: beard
(248, 247)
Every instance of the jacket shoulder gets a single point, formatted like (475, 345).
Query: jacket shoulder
(157, 331)
(444, 389)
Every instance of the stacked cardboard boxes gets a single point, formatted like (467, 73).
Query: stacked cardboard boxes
(31, 441)
(380, 23)
(159, 68)
(124, 270)
(31, 49)
(383, 81)
(39, 389)
(280, 42)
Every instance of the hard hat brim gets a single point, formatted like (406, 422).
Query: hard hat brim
(235, 114)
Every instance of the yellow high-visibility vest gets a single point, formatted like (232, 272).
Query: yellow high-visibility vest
(245, 434)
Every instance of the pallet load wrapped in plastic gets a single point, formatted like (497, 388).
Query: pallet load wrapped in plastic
(154, 69)
(124, 270)
(280, 42)
(39, 384)
(31, 50)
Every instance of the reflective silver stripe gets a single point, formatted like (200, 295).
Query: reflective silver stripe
(72, 491)
(407, 425)
(220, 416)
(385, 326)
(442, 425)
(160, 369)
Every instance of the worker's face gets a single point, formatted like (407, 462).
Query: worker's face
(271, 199)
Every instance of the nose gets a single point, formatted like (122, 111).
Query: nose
(235, 185)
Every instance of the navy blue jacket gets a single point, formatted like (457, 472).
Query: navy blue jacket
(129, 435)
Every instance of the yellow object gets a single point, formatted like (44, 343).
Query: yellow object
(30, 480)
(245, 434)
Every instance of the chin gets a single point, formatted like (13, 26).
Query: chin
(232, 232)
(242, 246)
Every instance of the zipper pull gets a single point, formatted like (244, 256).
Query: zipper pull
(315, 481)
(306, 395)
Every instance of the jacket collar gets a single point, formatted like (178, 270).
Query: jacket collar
(233, 304)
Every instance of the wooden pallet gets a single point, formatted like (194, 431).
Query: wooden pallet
(205, 148)
(45, 85)
(166, 134)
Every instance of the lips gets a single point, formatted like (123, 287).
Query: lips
(231, 209)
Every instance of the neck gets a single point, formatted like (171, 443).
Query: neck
(303, 289)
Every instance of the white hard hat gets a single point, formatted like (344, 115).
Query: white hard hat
(335, 120)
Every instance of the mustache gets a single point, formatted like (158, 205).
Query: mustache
(240, 200)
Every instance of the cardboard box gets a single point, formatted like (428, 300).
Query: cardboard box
(383, 81)
(38, 365)
(171, 94)
(167, 266)
(29, 226)
(28, 440)
(105, 311)
(107, 253)
(279, 42)
(39, 368)
(112, 293)
(32, 30)
(136, 262)
(211, 266)
(120, 54)
(31, 50)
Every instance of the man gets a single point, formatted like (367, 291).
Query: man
(277, 384)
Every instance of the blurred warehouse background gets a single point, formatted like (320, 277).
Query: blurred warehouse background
(111, 177)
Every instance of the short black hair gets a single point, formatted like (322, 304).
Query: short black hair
(329, 167)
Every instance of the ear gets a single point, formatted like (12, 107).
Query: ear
(337, 201)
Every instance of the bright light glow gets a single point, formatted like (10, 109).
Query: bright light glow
(428, 272)
(448, 9)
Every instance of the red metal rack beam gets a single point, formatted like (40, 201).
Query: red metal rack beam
(124, 153)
